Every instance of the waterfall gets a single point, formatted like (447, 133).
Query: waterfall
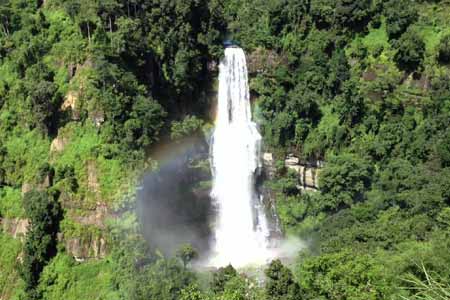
(241, 231)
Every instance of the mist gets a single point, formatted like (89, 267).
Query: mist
(174, 206)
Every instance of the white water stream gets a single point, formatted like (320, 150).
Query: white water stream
(241, 230)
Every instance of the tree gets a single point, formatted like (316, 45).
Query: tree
(345, 179)
(353, 14)
(66, 174)
(193, 292)
(42, 98)
(432, 287)
(444, 49)
(399, 15)
(344, 275)
(186, 253)
(443, 149)
(280, 283)
(339, 71)
(410, 51)
(350, 104)
(221, 277)
(44, 214)
(187, 127)
(163, 279)
(3, 155)
(322, 12)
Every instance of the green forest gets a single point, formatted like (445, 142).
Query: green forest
(89, 88)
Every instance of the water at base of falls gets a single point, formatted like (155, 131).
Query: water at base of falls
(241, 230)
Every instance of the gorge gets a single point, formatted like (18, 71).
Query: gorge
(131, 166)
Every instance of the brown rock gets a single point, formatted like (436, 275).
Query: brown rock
(26, 187)
(70, 101)
(213, 67)
(87, 248)
(96, 217)
(98, 117)
(308, 172)
(16, 227)
(369, 75)
(74, 247)
(58, 144)
(70, 104)
(93, 183)
(262, 60)
(268, 165)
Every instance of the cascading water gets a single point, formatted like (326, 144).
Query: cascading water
(241, 233)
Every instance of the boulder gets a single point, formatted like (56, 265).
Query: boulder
(58, 144)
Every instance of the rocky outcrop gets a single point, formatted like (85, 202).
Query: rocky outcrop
(308, 171)
(213, 66)
(372, 73)
(15, 227)
(92, 179)
(26, 187)
(97, 117)
(70, 101)
(70, 104)
(262, 60)
(91, 245)
(86, 248)
(46, 182)
(58, 144)
(268, 165)
(418, 81)
(95, 218)
(89, 240)
(369, 75)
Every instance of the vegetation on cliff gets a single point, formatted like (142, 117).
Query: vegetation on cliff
(87, 88)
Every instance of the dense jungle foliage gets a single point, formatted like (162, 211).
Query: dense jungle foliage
(89, 87)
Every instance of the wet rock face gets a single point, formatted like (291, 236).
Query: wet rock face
(268, 196)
